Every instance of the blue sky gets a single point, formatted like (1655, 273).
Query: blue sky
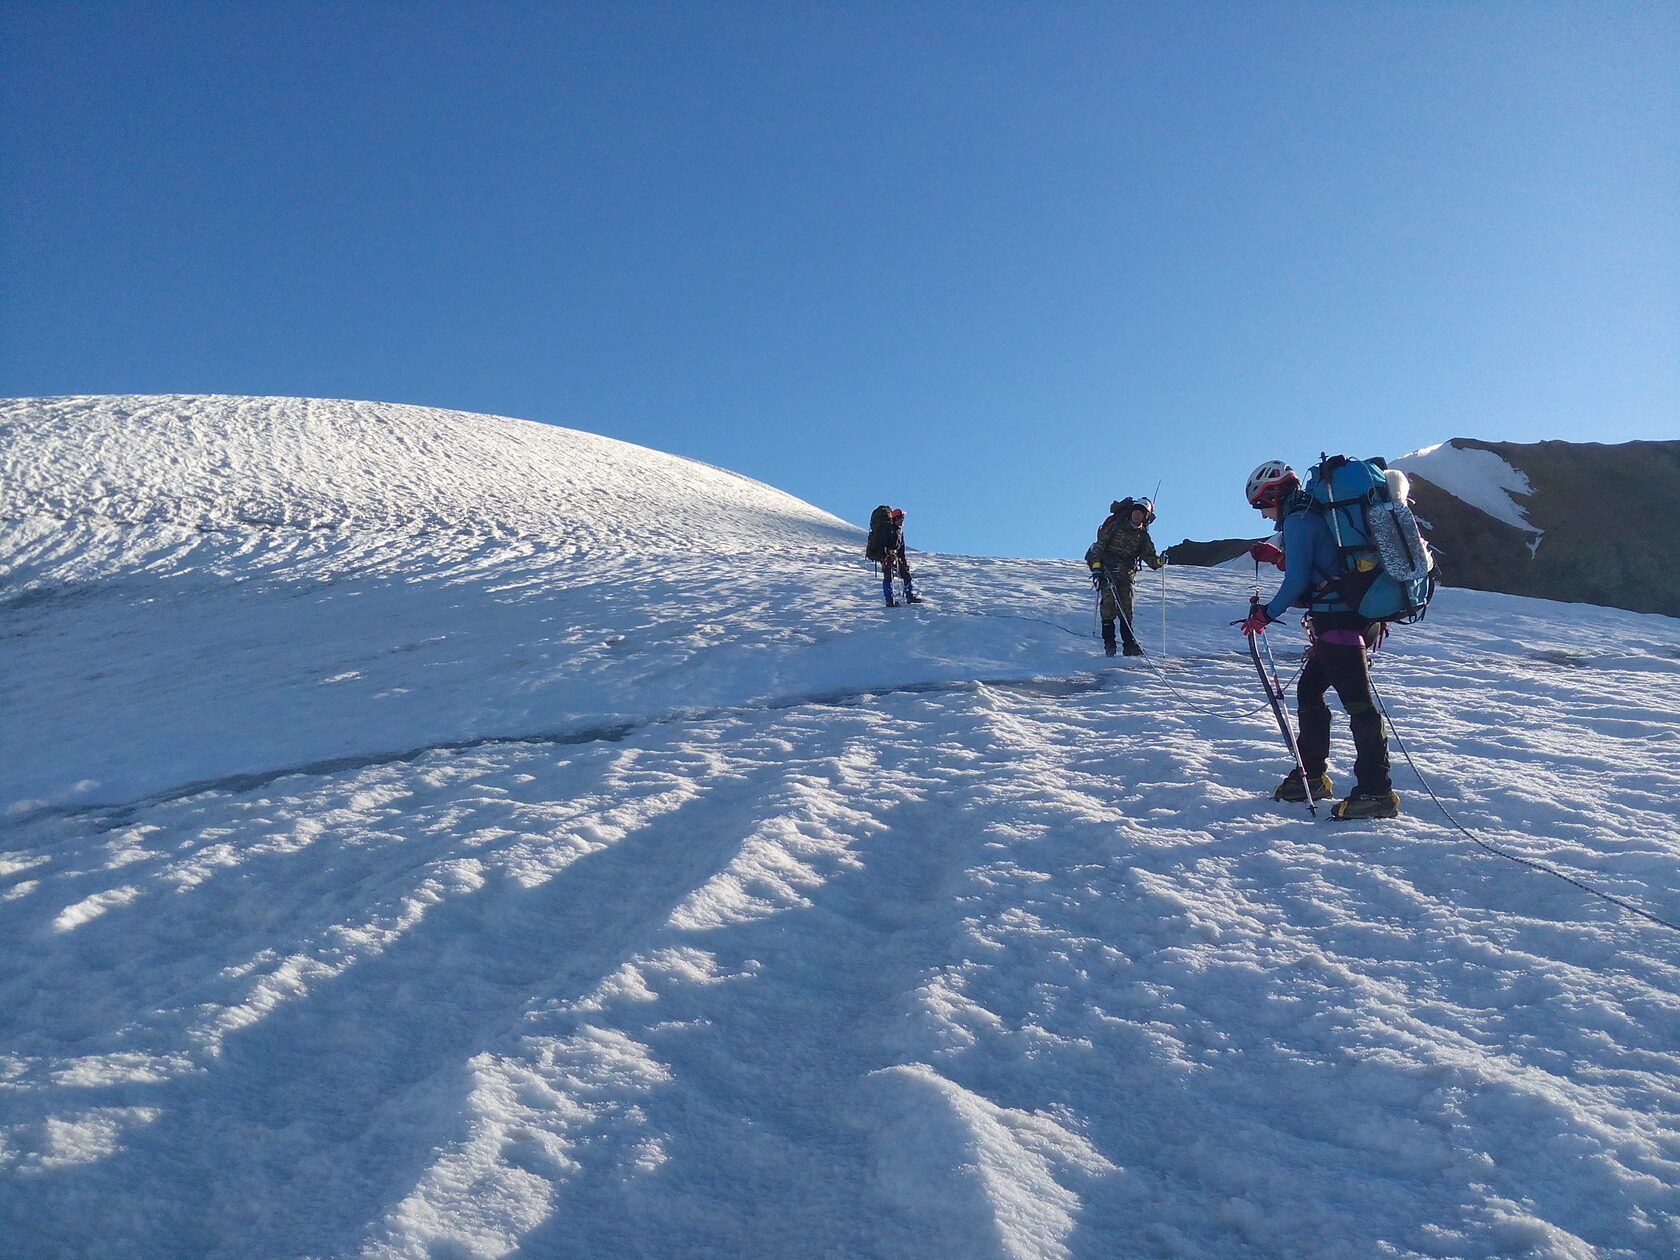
(997, 263)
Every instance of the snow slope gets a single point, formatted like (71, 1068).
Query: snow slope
(300, 463)
(435, 835)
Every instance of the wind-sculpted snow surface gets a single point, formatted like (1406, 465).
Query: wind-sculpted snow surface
(446, 893)
(213, 463)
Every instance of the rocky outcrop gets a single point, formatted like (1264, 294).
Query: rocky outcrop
(1208, 554)
(1605, 525)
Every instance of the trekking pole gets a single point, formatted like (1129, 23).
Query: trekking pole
(1274, 696)
(1163, 610)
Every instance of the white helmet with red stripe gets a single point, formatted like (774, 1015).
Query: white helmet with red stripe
(1269, 483)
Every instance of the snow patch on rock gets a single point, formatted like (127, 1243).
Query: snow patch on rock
(1480, 478)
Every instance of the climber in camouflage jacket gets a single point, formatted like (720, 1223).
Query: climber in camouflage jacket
(1123, 546)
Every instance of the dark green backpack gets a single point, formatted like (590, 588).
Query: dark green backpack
(880, 534)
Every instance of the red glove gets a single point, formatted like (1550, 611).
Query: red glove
(1264, 552)
(1256, 622)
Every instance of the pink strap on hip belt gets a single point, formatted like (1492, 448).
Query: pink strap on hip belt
(1342, 638)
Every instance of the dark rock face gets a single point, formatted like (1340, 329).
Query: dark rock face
(1609, 518)
(1608, 522)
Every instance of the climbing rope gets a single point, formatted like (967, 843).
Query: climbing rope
(1620, 903)
(1191, 704)
(1612, 898)
(1186, 701)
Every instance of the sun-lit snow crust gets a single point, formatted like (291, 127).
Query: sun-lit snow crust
(220, 462)
(434, 891)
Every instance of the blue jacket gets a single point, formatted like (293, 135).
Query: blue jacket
(1309, 558)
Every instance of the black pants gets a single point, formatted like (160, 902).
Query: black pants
(1342, 666)
(895, 563)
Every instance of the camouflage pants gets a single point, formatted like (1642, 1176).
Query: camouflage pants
(1117, 596)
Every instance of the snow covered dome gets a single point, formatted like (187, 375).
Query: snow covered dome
(215, 462)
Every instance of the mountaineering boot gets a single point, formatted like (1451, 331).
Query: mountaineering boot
(1290, 789)
(1367, 805)
(1109, 649)
(912, 599)
(892, 603)
(1126, 635)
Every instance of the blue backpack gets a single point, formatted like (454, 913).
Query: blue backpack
(1387, 570)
